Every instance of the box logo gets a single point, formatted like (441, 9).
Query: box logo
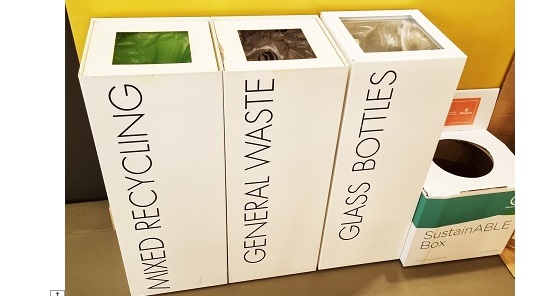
(462, 111)
(512, 203)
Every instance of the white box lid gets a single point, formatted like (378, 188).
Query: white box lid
(98, 52)
(442, 184)
(354, 53)
(234, 58)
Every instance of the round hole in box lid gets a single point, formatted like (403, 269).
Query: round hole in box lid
(463, 158)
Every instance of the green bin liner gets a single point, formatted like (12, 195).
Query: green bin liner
(151, 48)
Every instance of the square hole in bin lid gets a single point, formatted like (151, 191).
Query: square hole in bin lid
(133, 48)
(280, 44)
(388, 34)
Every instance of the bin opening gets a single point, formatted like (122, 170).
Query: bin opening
(281, 44)
(132, 48)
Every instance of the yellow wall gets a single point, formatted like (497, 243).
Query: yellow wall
(482, 29)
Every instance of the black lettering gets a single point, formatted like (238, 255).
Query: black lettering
(123, 133)
(126, 87)
(364, 167)
(136, 172)
(364, 183)
(374, 148)
(138, 182)
(250, 235)
(141, 225)
(260, 160)
(145, 214)
(263, 111)
(259, 133)
(258, 256)
(152, 201)
(155, 277)
(150, 244)
(258, 87)
(346, 234)
(383, 76)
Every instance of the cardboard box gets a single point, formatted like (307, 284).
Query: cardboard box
(284, 85)
(396, 103)
(467, 205)
(157, 123)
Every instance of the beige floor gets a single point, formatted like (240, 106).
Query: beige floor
(94, 267)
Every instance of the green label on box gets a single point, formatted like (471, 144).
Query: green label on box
(431, 213)
(133, 48)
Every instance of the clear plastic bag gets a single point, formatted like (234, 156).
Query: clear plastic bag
(389, 35)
